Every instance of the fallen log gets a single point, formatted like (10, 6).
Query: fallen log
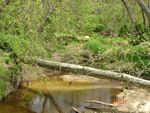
(87, 70)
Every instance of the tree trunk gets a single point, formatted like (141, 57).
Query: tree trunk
(144, 7)
(149, 9)
(144, 19)
(128, 10)
(87, 70)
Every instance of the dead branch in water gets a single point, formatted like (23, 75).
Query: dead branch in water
(105, 108)
(74, 110)
(86, 70)
(101, 103)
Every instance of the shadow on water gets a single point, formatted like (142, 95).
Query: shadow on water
(27, 101)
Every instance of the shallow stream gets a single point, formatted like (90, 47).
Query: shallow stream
(57, 96)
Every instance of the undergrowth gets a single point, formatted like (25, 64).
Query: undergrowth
(111, 51)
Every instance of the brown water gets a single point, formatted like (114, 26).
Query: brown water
(56, 101)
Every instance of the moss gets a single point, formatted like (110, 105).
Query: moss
(15, 44)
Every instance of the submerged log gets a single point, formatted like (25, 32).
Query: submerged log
(87, 70)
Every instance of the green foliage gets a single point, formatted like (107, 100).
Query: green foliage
(75, 17)
(20, 46)
(10, 20)
(96, 45)
(100, 43)
(111, 15)
(14, 44)
(8, 60)
(37, 49)
(4, 76)
(92, 23)
(125, 30)
(4, 73)
(143, 34)
(99, 28)
(2, 88)
(115, 50)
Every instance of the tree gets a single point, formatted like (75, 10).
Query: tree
(145, 8)
(50, 9)
(128, 10)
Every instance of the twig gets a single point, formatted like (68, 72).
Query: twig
(74, 110)
(101, 103)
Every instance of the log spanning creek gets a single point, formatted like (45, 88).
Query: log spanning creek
(60, 94)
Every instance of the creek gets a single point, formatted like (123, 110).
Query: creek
(57, 96)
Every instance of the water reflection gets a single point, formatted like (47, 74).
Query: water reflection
(6, 108)
(58, 97)
(61, 102)
(37, 104)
